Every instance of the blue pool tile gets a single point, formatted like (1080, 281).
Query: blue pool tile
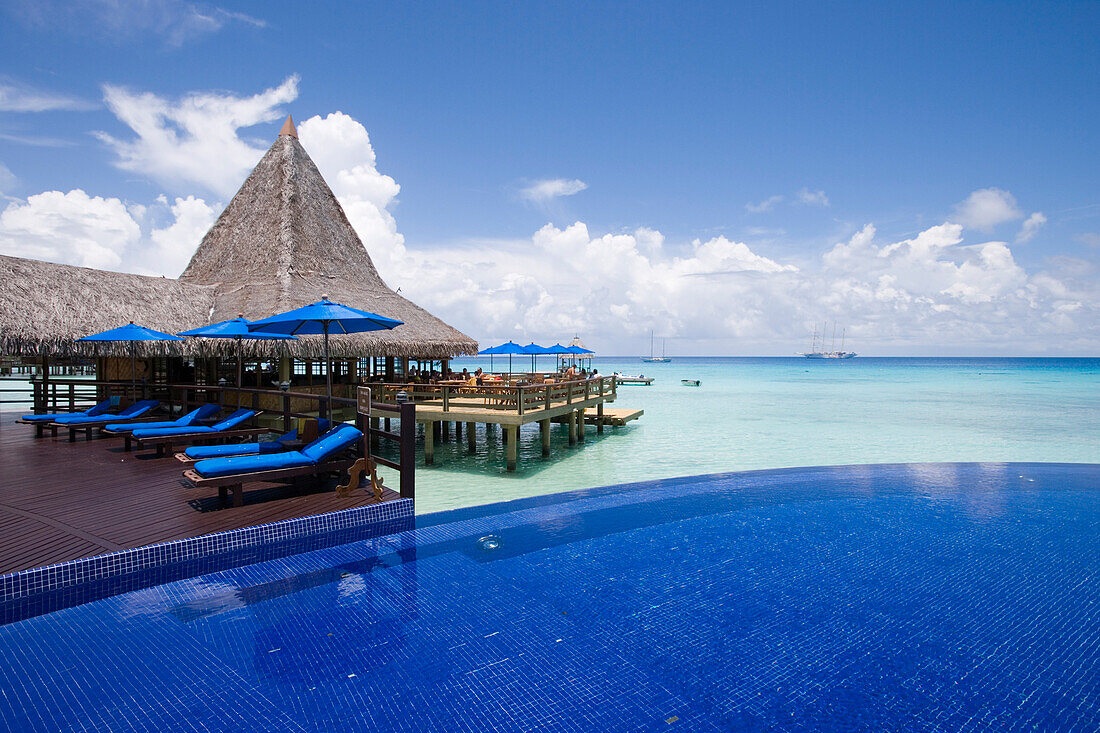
(922, 597)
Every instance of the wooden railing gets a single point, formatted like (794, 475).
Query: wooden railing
(61, 394)
(519, 398)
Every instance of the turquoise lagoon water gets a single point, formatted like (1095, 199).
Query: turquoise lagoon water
(752, 413)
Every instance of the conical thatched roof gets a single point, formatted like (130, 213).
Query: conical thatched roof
(284, 241)
(281, 243)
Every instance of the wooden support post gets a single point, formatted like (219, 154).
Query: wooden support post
(599, 419)
(572, 427)
(471, 437)
(429, 443)
(544, 428)
(513, 446)
(445, 426)
(580, 425)
(374, 425)
(408, 450)
(458, 430)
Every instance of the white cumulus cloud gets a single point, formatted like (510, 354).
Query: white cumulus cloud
(194, 140)
(170, 247)
(72, 228)
(75, 228)
(541, 191)
(7, 179)
(985, 208)
(341, 148)
(1031, 226)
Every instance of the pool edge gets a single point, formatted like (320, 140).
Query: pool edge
(33, 581)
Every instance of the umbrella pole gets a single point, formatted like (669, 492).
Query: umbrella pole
(133, 371)
(240, 358)
(328, 374)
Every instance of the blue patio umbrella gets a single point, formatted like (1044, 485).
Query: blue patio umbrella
(508, 347)
(131, 333)
(234, 328)
(534, 350)
(557, 349)
(324, 317)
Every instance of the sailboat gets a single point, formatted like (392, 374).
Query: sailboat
(817, 351)
(662, 359)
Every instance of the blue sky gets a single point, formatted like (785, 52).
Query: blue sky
(777, 130)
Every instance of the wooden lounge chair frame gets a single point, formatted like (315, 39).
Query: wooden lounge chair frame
(129, 434)
(289, 444)
(164, 443)
(236, 482)
(88, 428)
(40, 426)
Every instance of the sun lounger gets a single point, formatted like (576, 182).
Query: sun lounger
(195, 417)
(88, 423)
(41, 421)
(320, 456)
(99, 409)
(163, 438)
(280, 444)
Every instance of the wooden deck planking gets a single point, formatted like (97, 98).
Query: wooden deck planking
(61, 501)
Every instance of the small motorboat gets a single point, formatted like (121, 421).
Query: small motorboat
(632, 378)
(690, 382)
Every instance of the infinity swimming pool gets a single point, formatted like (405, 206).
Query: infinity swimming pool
(892, 597)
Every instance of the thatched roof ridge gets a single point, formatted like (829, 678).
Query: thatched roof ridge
(284, 241)
(44, 306)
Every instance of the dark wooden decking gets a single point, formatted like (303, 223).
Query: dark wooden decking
(60, 500)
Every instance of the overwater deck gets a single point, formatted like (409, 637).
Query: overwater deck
(575, 403)
(61, 501)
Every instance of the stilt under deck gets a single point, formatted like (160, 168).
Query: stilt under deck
(576, 404)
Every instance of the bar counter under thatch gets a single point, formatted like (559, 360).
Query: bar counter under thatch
(281, 243)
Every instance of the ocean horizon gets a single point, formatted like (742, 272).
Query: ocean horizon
(776, 412)
(754, 413)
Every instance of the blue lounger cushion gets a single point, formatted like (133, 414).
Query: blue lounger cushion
(332, 442)
(200, 452)
(99, 409)
(135, 410)
(228, 423)
(215, 467)
(190, 418)
(316, 452)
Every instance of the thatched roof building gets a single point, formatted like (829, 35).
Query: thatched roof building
(44, 306)
(282, 242)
